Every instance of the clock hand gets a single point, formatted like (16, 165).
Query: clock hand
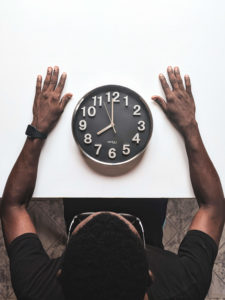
(104, 129)
(113, 125)
(112, 110)
(112, 116)
(107, 113)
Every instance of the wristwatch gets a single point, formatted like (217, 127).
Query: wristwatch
(33, 133)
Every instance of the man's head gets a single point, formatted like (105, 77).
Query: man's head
(105, 259)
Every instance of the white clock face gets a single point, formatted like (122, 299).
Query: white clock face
(112, 124)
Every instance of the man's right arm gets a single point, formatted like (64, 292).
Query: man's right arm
(180, 109)
(207, 188)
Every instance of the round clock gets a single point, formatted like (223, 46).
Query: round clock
(112, 125)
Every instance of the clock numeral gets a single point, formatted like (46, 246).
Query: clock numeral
(136, 138)
(136, 109)
(112, 153)
(87, 138)
(141, 126)
(108, 96)
(126, 100)
(99, 100)
(84, 111)
(115, 96)
(82, 125)
(91, 111)
(126, 149)
(99, 146)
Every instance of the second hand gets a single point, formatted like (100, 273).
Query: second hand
(113, 125)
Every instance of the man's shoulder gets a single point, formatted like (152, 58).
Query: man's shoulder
(33, 273)
(186, 273)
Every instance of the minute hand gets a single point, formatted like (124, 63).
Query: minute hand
(112, 116)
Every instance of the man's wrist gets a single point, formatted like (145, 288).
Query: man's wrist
(33, 131)
(40, 127)
(35, 143)
(190, 130)
(192, 136)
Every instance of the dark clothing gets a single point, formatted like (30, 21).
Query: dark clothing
(33, 274)
(186, 275)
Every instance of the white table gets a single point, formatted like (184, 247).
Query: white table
(112, 42)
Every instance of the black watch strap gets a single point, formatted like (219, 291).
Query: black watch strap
(33, 133)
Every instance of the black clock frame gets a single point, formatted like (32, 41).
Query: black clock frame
(112, 88)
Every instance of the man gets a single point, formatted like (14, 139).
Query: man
(105, 257)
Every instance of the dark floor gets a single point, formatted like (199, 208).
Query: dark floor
(47, 215)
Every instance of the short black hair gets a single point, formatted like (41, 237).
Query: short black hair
(105, 259)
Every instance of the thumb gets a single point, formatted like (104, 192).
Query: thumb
(160, 101)
(65, 99)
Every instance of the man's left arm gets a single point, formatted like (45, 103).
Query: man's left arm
(47, 109)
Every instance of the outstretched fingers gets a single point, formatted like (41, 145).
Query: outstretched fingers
(38, 86)
(61, 84)
(172, 77)
(164, 84)
(65, 99)
(188, 85)
(54, 79)
(162, 103)
(179, 79)
(47, 79)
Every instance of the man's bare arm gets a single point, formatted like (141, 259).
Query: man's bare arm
(20, 185)
(180, 109)
(207, 188)
(18, 191)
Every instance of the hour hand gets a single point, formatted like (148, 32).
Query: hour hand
(104, 129)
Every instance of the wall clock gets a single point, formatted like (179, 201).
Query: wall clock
(112, 125)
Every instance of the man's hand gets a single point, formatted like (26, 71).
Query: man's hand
(180, 109)
(180, 106)
(21, 182)
(48, 105)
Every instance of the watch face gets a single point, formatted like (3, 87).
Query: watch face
(112, 124)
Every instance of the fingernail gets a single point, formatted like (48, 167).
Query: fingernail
(56, 68)
(176, 69)
(161, 75)
(186, 75)
(39, 77)
(49, 69)
(64, 74)
(169, 68)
